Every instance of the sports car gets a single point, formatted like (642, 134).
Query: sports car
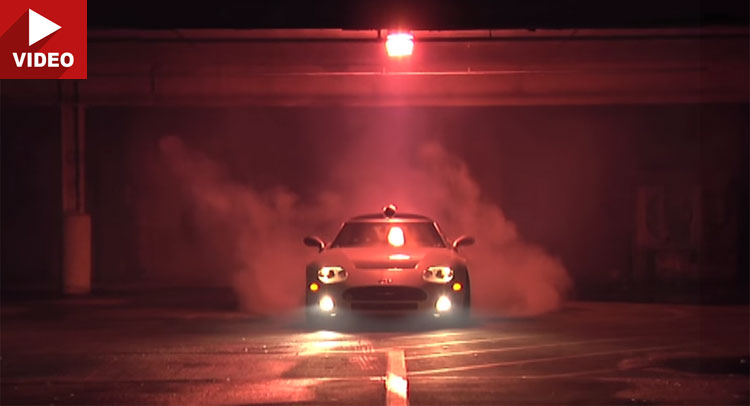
(388, 263)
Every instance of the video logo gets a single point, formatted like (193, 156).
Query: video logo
(43, 39)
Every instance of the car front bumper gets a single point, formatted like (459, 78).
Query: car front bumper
(387, 299)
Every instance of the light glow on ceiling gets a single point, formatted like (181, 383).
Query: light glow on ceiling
(399, 44)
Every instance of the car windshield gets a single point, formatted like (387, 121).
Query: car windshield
(417, 234)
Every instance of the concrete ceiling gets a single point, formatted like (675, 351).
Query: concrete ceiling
(337, 67)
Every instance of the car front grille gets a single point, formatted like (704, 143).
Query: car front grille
(384, 306)
(384, 294)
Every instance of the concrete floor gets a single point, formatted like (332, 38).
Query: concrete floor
(116, 350)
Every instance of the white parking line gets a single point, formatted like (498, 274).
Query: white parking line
(396, 385)
(518, 348)
(469, 341)
(546, 359)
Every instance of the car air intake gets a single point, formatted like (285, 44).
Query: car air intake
(384, 293)
(386, 264)
(384, 306)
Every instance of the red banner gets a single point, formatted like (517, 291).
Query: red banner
(43, 39)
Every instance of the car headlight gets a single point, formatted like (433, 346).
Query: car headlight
(438, 274)
(332, 274)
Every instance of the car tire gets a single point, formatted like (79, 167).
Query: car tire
(466, 306)
(312, 320)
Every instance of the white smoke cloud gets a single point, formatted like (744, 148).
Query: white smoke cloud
(263, 229)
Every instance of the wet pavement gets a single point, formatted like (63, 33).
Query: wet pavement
(108, 350)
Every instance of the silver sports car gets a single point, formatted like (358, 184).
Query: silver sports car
(388, 263)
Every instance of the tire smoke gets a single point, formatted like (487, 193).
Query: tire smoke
(258, 233)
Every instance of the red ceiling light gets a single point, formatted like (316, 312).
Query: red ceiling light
(399, 44)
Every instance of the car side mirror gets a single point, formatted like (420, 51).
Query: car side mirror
(463, 241)
(313, 241)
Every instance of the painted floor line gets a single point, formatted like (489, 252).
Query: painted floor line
(417, 346)
(507, 349)
(396, 385)
(67, 382)
(546, 359)
(491, 378)
(457, 342)
(422, 336)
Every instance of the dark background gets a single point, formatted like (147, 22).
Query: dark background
(567, 175)
(418, 14)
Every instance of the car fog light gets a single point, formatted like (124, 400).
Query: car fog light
(326, 304)
(314, 287)
(457, 286)
(443, 304)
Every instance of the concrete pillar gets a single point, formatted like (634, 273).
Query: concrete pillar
(76, 258)
(76, 253)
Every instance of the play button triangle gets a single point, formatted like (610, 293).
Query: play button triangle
(39, 27)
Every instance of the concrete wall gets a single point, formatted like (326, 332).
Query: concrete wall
(30, 189)
(561, 128)
(567, 176)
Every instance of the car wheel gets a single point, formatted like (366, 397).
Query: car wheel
(312, 320)
(467, 299)
(466, 308)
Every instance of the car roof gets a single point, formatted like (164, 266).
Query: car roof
(398, 217)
